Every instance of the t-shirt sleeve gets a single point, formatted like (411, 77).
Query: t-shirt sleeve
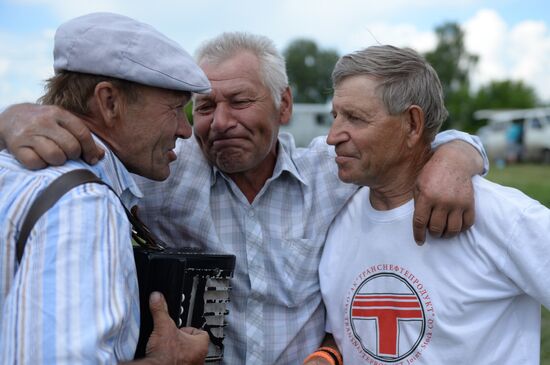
(527, 261)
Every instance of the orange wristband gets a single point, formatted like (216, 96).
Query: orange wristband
(334, 353)
(321, 354)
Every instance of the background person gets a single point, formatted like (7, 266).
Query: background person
(514, 138)
(240, 187)
(73, 298)
(472, 300)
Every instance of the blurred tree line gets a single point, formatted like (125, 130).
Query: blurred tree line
(310, 67)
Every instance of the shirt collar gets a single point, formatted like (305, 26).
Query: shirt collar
(111, 170)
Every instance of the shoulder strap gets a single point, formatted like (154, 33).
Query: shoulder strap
(49, 197)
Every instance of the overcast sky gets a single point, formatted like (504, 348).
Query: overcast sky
(512, 37)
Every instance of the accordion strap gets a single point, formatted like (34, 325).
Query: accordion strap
(59, 187)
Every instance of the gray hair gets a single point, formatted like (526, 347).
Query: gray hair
(405, 79)
(272, 63)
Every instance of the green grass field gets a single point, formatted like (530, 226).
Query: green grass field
(533, 180)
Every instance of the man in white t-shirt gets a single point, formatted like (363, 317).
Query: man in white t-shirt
(473, 299)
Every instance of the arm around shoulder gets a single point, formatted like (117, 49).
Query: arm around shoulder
(444, 197)
(42, 135)
(464, 144)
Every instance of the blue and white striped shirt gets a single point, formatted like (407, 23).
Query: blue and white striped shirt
(276, 314)
(74, 297)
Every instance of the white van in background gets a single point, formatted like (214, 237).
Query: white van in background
(308, 121)
(535, 139)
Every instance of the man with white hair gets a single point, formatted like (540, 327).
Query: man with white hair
(240, 187)
(73, 296)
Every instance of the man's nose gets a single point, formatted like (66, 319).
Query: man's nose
(184, 127)
(336, 133)
(222, 119)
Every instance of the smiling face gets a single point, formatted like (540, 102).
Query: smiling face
(237, 124)
(151, 125)
(369, 142)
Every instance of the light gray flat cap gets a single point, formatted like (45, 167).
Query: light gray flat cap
(117, 46)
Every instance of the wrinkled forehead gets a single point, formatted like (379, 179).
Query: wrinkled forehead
(238, 75)
(227, 89)
(242, 64)
(357, 93)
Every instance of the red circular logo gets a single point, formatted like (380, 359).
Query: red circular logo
(387, 317)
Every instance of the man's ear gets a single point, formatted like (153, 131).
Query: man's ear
(110, 102)
(415, 120)
(285, 111)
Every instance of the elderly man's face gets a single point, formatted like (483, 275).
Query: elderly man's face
(368, 140)
(154, 121)
(237, 124)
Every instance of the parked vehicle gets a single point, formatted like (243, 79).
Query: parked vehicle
(534, 129)
(308, 121)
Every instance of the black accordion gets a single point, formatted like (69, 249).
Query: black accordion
(196, 288)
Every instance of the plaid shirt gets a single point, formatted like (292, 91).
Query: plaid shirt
(276, 314)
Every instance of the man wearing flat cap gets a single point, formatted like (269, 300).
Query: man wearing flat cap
(73, 297)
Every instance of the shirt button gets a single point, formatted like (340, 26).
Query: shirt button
(251, 213)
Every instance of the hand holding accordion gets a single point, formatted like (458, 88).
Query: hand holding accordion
(195, 285)
(170, 345)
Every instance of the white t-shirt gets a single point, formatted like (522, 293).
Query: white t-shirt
(473, 299)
